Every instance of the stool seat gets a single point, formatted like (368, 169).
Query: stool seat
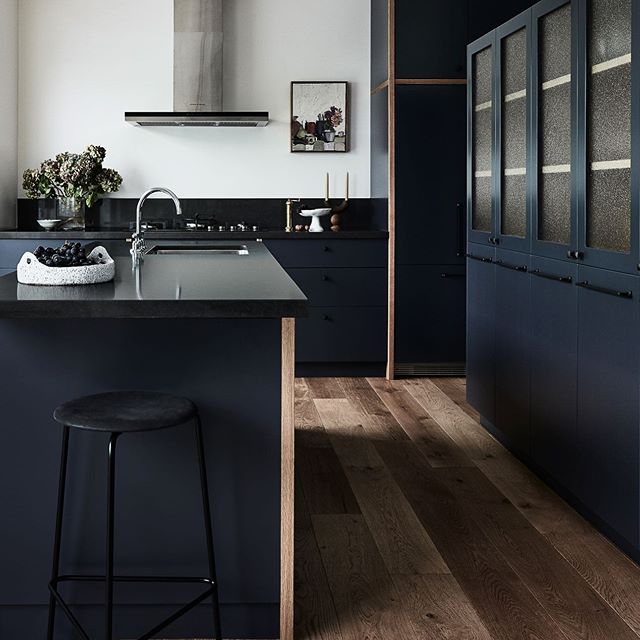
(126, 411)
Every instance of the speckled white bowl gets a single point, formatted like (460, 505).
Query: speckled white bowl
(30, 271)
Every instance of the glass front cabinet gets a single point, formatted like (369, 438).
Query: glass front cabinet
(481, 201)
(554, 111)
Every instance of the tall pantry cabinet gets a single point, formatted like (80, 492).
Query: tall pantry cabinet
(552, 173)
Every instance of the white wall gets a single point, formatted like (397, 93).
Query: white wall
(8, 110)
(84, 62)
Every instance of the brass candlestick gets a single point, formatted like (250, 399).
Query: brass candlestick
(337, 210)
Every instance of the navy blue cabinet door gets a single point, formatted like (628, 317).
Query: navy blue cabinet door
(609, 152)
(430, 39)
(430, 174)
(481, 291)
(512, 140)
(430, 314)
(554, 118)
(608, 397)
(482, 184)
(512, 348)
(553, 360)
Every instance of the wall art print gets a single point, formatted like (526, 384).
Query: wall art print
(320, 117)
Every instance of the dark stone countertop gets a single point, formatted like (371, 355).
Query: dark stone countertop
(168, 286)
(9, 234)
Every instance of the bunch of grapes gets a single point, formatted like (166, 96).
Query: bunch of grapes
(70, 254)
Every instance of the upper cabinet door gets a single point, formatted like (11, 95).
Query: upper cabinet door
(431, 38)
(512, 134)
(481, 140)
(608, 206)
(555, 27)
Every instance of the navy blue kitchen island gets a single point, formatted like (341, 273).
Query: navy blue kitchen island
(218, 329)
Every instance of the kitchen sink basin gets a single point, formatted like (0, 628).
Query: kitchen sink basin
(199, 250)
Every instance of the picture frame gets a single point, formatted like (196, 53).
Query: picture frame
(320, 117)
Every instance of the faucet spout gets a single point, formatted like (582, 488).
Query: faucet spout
(137, 241)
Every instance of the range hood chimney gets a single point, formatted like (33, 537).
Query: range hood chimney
(197, 73)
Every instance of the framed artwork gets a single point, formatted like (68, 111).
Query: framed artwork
(320, 117)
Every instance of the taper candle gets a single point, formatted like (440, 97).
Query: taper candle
(326, 196)
(347, 189)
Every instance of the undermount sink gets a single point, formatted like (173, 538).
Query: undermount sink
(199, 250)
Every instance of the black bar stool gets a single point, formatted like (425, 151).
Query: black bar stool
(117, 413)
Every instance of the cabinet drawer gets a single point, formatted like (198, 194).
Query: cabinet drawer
(329, 253)
(343, 287)
(339, 334)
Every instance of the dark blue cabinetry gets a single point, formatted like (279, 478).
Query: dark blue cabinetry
(558, 346)
(346, 283)
(481, 296)
(431, 38)
(609, 397)
(430, 175)
(430, 315)
(512, 307)
(553, 362)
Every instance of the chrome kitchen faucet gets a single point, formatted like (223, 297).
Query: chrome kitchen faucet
(138, 246)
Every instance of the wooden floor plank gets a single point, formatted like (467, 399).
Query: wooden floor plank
(324, 483)
(315, 616)
(379, 421)
(400, 537)
(410, 458)
(544, 508)
(324, 388)
(471, 439)
(503, 602)
(576, 608)
(438, 447)
(309, 429)
(615, 577)
(367, 604)
(540, 505)
(439, 609)
(456, 389)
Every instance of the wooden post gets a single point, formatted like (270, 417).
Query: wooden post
(287, 479)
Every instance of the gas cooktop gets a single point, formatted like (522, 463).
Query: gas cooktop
(199, 223)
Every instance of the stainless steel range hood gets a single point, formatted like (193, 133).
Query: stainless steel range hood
(197, 74)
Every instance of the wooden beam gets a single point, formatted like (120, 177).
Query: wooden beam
(391, 339)
(381, 87)
(287, 477)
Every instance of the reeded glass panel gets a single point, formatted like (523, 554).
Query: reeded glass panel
(482, 139)
(554, 126)
(514, 134)
(609, 126)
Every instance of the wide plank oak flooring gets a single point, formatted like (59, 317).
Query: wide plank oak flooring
(413, 522)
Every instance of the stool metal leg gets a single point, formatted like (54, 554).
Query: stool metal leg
(55, 569)
(111, 481)
(206, 507)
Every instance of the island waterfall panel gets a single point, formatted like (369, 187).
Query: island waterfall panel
(553, 317)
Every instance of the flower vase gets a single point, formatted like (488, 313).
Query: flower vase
(71, 211)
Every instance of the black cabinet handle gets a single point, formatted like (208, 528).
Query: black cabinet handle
(460, 222)
(326, 249)
(575, 255)
(494, 240)
(513, 267)
(472, 257)
(453, 275)
(611, 292)
(327, 318)
(551, 276)
(325, 278)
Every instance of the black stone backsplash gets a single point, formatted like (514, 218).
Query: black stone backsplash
(119, 214)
